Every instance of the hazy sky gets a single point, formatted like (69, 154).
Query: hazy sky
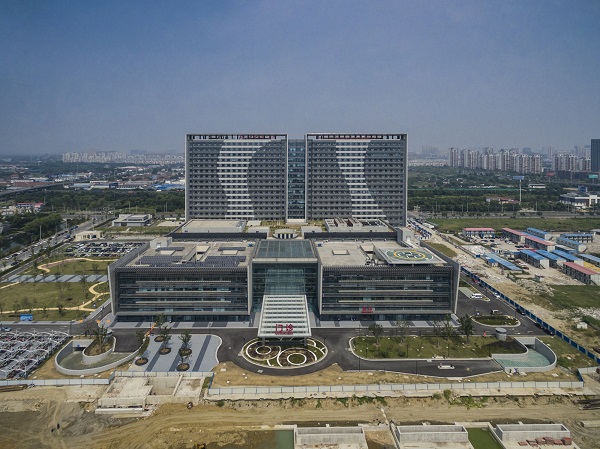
(120, 75)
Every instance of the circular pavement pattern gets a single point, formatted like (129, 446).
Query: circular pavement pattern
(276, 356)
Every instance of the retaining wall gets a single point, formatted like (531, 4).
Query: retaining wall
(539, 346)
(521, 432)
(68, 349)
(381, 389)
(432, 434)
(91, 359)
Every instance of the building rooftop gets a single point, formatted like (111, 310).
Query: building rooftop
(538, 240)
(371, 253)
(196, 254)
(512, 231)
(285, 249)
(581, 269)
(197, 225)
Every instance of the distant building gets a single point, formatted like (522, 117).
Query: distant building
(132, 220)
(88, 235)
(506, 160)
(595, 155)
(479, 232)
(29, 207)
(579, 200)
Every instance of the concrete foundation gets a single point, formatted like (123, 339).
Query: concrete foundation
(317, 437)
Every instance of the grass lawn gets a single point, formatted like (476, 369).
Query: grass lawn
(443, 249)
(571, 296)
(557, 224)
(65, 266)
(482, 439)
(495, 320)
(30, 295)
(428, 347)
(568, 356)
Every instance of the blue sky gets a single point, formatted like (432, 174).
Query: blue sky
(115, 75)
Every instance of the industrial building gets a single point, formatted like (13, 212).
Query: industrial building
(580, 237)
(539, 233)
(535, 259)
(573, 244)
(538, 243)
(483, 233)
(582, 274)
(514, 236)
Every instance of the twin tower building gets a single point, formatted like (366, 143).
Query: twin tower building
(271, 177)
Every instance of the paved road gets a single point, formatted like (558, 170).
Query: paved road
(337, 341)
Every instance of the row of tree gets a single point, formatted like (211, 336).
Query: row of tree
(442, 328)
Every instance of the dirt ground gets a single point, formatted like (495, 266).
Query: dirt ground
(495, 277)
(26, 420)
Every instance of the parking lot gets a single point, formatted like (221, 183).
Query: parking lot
(22, 352)
(102, 249)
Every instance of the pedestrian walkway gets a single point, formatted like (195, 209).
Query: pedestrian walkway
(92, 278)
(203, 358)
(255, 319)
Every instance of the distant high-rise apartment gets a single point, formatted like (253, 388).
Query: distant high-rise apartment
(268, 177)
(595, 155)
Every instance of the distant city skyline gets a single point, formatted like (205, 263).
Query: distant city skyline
(113, 76)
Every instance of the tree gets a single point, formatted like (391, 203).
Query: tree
(438, 330)
(185, 337)
(61, 310)
(165, 335)
(402, 328)
(160, 320)
(448, 331)
(84, 284)
(100, 333)
(140, 335)
(465, 325)
(95, 268)
(376, 330)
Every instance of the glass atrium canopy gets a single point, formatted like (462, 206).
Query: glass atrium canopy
(284, 317)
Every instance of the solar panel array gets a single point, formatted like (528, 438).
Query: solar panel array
(232, 248)
(159, 261)
(171, 248)
(221, 261)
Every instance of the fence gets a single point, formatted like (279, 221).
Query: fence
(384, 389)
(58, 382)
(542, 324)
(194, 374)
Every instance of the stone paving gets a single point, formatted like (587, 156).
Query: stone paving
(203, 357)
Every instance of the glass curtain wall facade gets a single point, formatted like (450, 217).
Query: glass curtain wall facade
(236, 176)
(284, 279)
(357, 175)
(296, 203)
(387, 292)
(284, 268)
(181, 294)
